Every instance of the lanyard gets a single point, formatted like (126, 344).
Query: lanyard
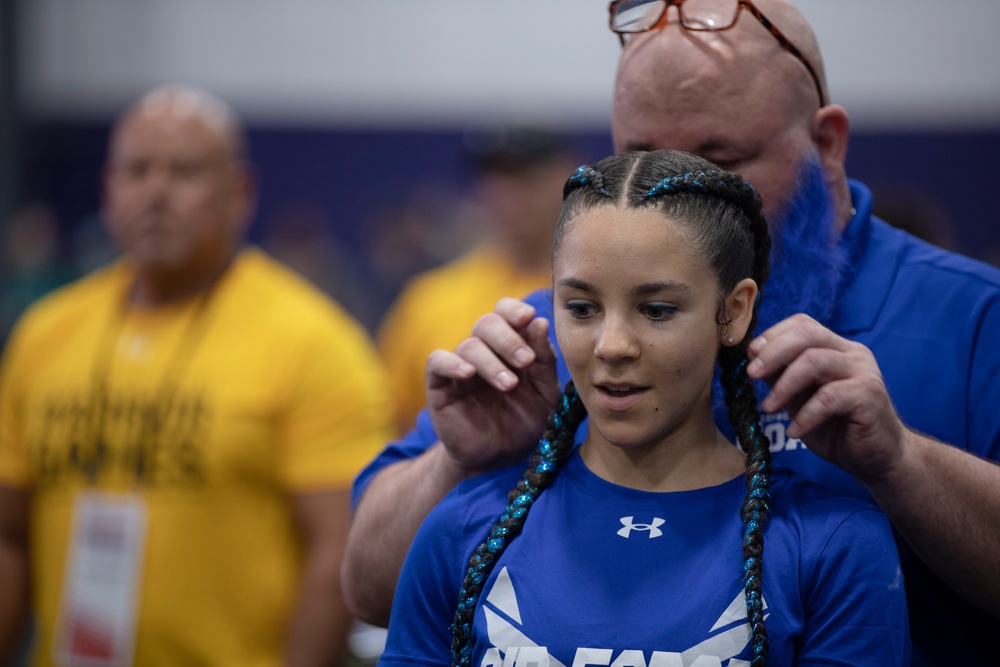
(165, 393)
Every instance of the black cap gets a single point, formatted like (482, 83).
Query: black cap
(512, 147)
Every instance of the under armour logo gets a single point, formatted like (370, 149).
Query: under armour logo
(653, 527)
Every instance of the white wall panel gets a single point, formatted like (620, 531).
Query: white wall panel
(895, 63)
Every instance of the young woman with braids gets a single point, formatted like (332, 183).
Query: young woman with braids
(656, 542)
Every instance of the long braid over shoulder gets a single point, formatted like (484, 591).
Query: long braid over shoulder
(553, 450)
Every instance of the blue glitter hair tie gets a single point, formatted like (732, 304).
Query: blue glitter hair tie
(586, 174)
(580, 175)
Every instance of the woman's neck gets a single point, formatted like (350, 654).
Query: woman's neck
(693, 458)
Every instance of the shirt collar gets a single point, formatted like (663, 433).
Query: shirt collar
(874, 261)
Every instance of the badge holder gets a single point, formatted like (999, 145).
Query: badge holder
(97, 619)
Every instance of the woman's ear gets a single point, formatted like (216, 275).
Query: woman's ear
(739, 312)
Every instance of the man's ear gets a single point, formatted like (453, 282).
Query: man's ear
(739, 312)
(830, 132)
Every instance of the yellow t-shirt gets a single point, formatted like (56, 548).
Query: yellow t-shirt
(436, 310)
(215, 411)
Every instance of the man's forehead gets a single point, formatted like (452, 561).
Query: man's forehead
(699, 98)
(146, 133)
(693, 134)
(695, 115)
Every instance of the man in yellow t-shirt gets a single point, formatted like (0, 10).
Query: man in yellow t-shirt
(521, 172)
(183, 427)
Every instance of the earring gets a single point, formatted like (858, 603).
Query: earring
(729, 340)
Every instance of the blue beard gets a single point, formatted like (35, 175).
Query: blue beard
(808, 263)
(808, 266)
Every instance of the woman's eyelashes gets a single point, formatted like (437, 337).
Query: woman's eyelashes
(580, 310)
(658, 312)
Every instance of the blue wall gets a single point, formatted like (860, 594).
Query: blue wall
(347, 175)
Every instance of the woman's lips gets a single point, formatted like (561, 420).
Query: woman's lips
(619, 397)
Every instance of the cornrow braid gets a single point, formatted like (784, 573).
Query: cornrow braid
(727, 186)
(739, 391)
(686, 182)
(553, 451)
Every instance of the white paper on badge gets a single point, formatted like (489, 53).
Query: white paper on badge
(97, 617)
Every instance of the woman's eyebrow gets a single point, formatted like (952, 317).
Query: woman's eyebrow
(641, 289)
(662, 286)
(576, 283)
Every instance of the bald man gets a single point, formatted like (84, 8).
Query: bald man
(854, 313)
(178, 431)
